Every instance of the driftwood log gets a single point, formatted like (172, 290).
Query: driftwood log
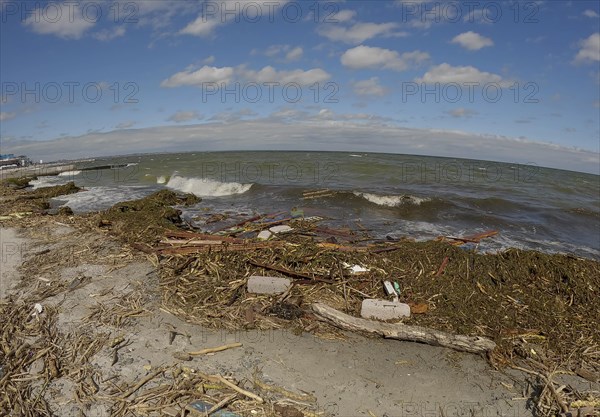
(472, 344)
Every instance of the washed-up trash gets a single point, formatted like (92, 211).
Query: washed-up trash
(355, 269)
(268, 285)
(384, 310)
(201, 408)
(390, 290)
(37, 309)
(264, 235)
(280, 229)
(313, 219)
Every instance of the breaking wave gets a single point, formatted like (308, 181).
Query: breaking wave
(203, 187)
(391, 200)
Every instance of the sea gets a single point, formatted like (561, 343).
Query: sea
(390, 195)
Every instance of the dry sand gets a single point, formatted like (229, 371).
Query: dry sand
(352, 377)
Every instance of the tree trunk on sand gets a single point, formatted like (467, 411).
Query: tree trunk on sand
(472, 344)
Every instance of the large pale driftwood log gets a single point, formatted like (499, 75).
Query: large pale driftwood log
(473, 344)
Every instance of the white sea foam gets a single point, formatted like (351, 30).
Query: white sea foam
(391, 200)
(161, 179)
(47, 181)
(101, 198)
(69, 173)
(203, 187)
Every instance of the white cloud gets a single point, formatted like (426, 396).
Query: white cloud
(359, 32)
(370, 87)
(63, 20)
(591, 13)
(295, 54)
(345, 15)
(590, 49)
(472, 41)
(461, 112)
(185, 116)
(200, 27)
(269, 74)
(205, 74)
(446, 73)
(109, 34)
(7, 116)
(276, 50)
(225, 75)
(125, 125)
(361, 57)
(217, 13)
(208, 60)
(291, 54)
(157, 13)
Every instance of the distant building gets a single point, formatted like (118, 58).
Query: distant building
(10, 159)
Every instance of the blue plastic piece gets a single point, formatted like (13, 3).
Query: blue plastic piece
(203, 407)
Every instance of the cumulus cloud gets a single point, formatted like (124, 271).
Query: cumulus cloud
(589, 49)
(200, 27)
(370, 87)
(225, 75)
(184, 116)
(345, 15)
(295, 54)
(359, 32)
(472, 41)
(64, 20)
(269, 74)
(446, 73)
(290, 53)
(361, 57)
(218, 13)
(591, 13)
(205, 74)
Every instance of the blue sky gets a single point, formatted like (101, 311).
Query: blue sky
(81, 78)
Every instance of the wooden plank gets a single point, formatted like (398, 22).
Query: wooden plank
(202, 236)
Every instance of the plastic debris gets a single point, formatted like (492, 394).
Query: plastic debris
(280, 229)
(268, 285)
(37, 309)
(264, 235)
(384, 310)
